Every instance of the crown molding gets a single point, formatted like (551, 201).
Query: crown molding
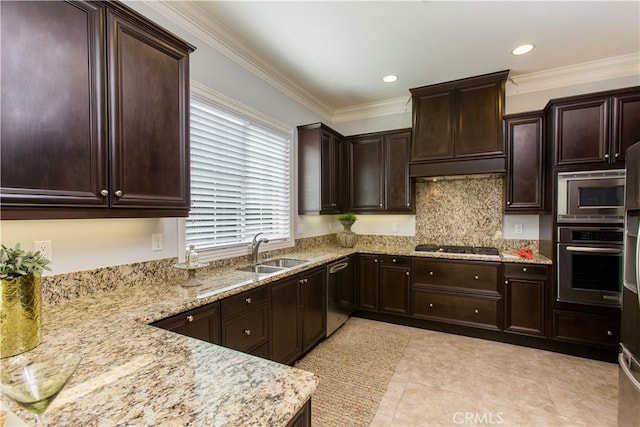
(373, 109)
(587, 72)
(193, 19)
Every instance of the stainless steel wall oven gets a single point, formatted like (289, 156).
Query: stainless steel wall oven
(590, 265)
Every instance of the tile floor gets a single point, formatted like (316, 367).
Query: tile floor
(449, 380)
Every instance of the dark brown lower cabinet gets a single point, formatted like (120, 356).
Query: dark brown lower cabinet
(480, 312)
(298, 315)
(524, 297)
(586, 328)
(368, 282)
(245, 320)
(202, 323)
(302, 417)
(286, 341)
(394, 285)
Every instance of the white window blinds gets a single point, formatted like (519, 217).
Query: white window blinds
(240, 179)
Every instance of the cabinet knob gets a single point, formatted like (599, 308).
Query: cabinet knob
(430, 305)
(375, 260)
(119, 193)
(247, 332)
(408, 205)
(476, 311)
(380, 204)
(508, 203)
(606, 156)
(394, 260)
(407, 273)
(104, 193)
(524, 269)
(475, 277)
(616, 155)
(506, 282)
(609, 333)
(189, 318)
(431, 273)
(248, 300)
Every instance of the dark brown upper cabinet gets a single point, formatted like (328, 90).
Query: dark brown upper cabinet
(379, 172)
(595, 130)
(525, 181)
(457, 127)
(99, 128)
(321, 165)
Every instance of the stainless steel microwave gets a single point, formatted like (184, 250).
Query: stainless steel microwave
(593, 196)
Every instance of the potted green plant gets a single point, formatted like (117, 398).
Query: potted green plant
(21, 299)
(347, 238)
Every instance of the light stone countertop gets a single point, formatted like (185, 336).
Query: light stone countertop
(135, 374)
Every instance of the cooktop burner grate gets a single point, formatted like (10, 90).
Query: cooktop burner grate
(471, 250)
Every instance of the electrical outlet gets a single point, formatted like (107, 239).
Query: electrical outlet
(44, 247)
(518, 228)
(156, 242)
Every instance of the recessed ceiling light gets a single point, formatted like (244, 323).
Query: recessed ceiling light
(522, 49)
(390, 78)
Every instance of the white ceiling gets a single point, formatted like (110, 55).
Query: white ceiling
(338, 51)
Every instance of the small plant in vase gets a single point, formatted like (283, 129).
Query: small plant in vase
(347, 238)
(21, 300)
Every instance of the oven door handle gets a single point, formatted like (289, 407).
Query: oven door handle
(587, 249)
(626, 362)
(338, 267)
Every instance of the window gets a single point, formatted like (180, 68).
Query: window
(240, 178)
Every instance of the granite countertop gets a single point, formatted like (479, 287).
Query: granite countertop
(135, 374)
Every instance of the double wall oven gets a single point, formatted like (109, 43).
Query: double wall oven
(590, 237)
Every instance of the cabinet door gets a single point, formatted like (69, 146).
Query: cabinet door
(433, 126)
(524, 179)
(479, 120)
(524, 302)
(626, 124)
(247, 330)
(366, 183)
(398, 189)
(285, 338)
(314, 311)
(587, 328)
(368, 282)
(331, 161)
(148, 104)
(53, 134)
(202, 323)
(582, 132)
(394, 289)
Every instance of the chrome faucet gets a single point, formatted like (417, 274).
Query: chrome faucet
(255, 245)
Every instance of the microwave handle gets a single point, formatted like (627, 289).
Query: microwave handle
(594, 250)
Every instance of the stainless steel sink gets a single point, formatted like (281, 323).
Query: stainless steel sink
(263, 269)
(283, 262)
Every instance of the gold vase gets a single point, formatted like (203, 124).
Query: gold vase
(20, 319)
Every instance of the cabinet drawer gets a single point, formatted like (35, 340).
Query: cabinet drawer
(466, 310)
(395, 260)
(586, 328)
(247, 330)
(464, 276)
(202, 323)
(244, 301)
(526, 269)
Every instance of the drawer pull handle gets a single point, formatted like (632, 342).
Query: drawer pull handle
(394, 260)
(247, 332)
(476, 311)
(431, 273)
(609, 333)
(475, 277)
(248, 300)
(189, 318)
(524, 269)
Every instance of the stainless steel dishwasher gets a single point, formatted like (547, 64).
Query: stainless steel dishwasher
(338, 294)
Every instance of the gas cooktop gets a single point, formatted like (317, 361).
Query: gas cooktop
(466, 250)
